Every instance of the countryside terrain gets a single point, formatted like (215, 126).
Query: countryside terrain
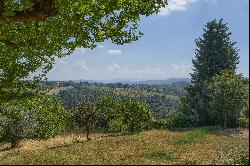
(207, 145)
(199, 120)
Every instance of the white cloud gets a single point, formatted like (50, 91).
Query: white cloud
(66, 69)
(60, 61)
(176, 5)
(123, 71)
(114, 52)
(100, 46)
(80, 51)
(181, 70)
(113, 68)
(80, 65)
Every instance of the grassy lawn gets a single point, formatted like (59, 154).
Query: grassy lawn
(207, 145)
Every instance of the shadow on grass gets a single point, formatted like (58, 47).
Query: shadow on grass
(159, 154)
(120, 134)
(60, 146)
(6, 149)
(74, 141)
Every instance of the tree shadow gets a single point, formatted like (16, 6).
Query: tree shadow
(6, 149)
(119, 134)
(67, 145)
(60, 146)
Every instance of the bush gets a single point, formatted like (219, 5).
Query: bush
(16, 123)
(229, 97)
(124, 115)
(243, 120)
(117, 125)
(51, 118)
(160, 124)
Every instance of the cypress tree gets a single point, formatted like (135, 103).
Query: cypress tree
(215, 52)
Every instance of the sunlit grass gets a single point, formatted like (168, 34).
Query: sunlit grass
(148, 147)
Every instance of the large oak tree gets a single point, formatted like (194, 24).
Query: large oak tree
(35, 32)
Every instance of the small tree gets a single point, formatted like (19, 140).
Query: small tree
(86, 116)
(16, 123)
(229, 97)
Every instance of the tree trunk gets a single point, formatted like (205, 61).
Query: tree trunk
(225, 120)
(13, 144)
(87, 127)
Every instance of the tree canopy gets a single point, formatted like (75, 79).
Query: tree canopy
(33, 33)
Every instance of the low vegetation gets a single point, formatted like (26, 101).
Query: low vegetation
(148, 147)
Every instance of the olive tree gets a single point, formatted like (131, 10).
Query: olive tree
(86, 116)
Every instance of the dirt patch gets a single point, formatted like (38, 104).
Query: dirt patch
(56, 90)
(236, 132)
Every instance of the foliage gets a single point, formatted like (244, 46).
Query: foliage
(124, 115)
(16, 123)
(34, 33)
(161, 99)
(161, 124)
(83, 93)
(215, 52)
(86, 116)
(51, 118)
(229, 97)
(243, 120)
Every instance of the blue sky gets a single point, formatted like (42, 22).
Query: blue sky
(167, 47)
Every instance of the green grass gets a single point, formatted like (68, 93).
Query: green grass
(205, 146)
(196, 134)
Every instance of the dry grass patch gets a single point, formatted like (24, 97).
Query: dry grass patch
(149, 147)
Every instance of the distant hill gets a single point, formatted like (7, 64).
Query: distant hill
(167, 81)
(136, 81)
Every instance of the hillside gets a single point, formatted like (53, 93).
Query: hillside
(208, 145)
(167, 81)
(161, 98)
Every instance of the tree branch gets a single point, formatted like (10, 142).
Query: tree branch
(40, 10)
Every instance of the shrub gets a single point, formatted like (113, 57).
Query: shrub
(117, 125)
(52, 117)
(243, 120)
(229, 97)
(124, 115)
(16, 123)
(160, 124)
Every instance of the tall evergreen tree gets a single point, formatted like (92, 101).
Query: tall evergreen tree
(215, 52)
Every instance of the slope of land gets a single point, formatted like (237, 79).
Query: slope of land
(209, 145)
